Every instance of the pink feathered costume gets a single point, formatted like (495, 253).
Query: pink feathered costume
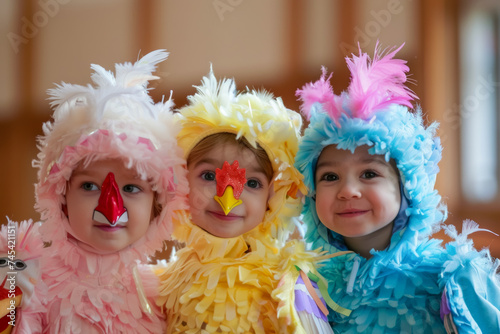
(90, 292)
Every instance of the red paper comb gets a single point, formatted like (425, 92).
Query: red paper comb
(230, 175)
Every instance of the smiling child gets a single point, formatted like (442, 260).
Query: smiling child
(371, 164)
(237, 272)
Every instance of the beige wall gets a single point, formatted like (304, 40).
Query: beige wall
(278, 45)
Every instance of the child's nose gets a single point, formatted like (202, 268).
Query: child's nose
(349, 189)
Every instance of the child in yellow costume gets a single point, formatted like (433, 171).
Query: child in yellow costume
(237, 272)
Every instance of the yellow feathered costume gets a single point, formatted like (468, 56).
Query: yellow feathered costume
(242, 284)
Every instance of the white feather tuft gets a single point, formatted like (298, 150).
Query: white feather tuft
(101, 77)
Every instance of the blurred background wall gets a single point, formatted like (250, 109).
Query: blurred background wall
(452, 48)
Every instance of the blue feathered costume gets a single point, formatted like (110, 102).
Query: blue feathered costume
(415, 285)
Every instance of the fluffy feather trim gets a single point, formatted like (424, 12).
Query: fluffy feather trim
(378, 83)
(375, 85)
(321, 92)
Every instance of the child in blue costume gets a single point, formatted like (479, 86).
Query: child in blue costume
(371, 166)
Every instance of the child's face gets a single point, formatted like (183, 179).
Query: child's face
(356, 194)
(84, 189)
(206, 212)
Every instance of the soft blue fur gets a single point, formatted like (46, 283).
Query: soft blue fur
(399, 289)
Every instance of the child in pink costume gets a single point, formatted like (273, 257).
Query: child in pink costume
(110, 183)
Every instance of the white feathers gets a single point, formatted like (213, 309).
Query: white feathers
(128, 75)
(129, 86)
(66, 93)
(468, 227)
(115, 102)
(215, 94)
(101, 77)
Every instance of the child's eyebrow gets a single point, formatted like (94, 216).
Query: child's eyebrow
(326, 164)
(207, 160)
(375, 159)
(256, 169)
(80, 172)
(378, 159)
(86, 172)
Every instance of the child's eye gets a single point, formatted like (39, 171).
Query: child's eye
(369, 174)
(253, 184)
(130, 188)
(89, 186)
(208, 176)
(329, 177)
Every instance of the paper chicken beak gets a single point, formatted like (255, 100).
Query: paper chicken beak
(110, 209)
(230, 182)
(227, 200)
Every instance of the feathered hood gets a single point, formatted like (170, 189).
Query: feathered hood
(217, 107)
(114, 118)
(374, 111)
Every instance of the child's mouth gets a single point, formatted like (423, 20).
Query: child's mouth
(352, 213)
(222, 216)
(109, 228)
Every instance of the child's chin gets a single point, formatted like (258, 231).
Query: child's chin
(223, 234)
(103, 248)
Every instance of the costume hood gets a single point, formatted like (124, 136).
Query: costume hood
(114, 118)
(217, 107)
(374, 111)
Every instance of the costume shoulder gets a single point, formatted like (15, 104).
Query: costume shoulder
(310, 305)
(471, 296)
(302, 292)
(22, 290)
(224, 286)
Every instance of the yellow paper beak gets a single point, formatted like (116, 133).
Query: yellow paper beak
(227, 200)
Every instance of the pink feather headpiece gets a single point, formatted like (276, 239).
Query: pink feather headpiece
(375, 84)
